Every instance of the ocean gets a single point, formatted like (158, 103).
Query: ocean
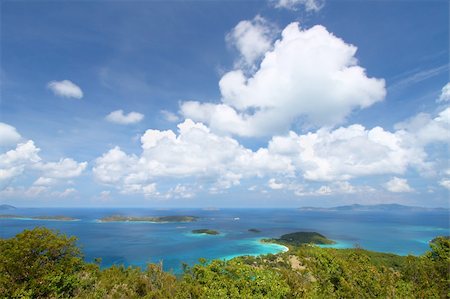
(135, 243)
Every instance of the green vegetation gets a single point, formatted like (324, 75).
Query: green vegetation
(59, 218)
(205, 231)
(254, 230)
(160, 219)
(40, 263)
(300, 238)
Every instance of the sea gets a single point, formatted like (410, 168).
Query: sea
(172, 244)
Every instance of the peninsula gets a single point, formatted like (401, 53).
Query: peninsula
(300, 238)
(158, 219)
(56, 218)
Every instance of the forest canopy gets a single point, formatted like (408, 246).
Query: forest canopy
(42, 263)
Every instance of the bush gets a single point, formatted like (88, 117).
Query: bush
(39, 263)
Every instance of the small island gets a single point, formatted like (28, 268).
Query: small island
(160, 219)
(7, 207)
(205, 231)
(254, 230)
(55, 218)
(300, 238)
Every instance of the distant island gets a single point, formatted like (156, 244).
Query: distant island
(205, 231)
(59, 218)
(367, 208)
(159, 219)
(254, 230)
(300, 238)
(7, 207)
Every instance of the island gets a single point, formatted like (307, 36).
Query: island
(155, 219)
(373, 208)
(7, 207)
(254, 230)
(205, 231)
(56, 218)
(300, 238)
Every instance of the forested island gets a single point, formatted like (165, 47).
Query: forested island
(254, 230)
(41, 263)
(300, 238)
(205, 231)
(158, 219)
(58, 217)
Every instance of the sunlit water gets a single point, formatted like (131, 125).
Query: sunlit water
(173, 243)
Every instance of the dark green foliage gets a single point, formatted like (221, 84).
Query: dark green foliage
(205, 231)
(43, 264)
(232, 279)
(299, 238)
(39, 263)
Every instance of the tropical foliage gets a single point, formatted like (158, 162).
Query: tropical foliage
(40, 263)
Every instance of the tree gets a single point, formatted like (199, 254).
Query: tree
(39, 263)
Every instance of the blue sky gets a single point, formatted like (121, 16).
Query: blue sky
(224, 103)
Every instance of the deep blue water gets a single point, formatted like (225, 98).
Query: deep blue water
(138, 243)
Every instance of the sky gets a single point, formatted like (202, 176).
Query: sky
(279, 103)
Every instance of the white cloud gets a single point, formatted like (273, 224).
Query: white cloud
(25, 159)
(14, 162)
(310, 76)
(398, 185)
(445, 183)
(445, 93)
(334, 155)
(310, 5)
(9, 135)
(346, 152)
(43, 181)
(425, 129)
(273, 184)
(119, 117)
(252, 38)
(169, 116)
(66, 89)
(195, 152)
(66, 193)
(63, 169)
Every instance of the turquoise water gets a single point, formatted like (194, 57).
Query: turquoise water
(136, 243)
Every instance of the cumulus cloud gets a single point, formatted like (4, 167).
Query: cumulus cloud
(289, 162)
(424, 129)
(66, 89)
(310, 76)
(310, 5)
(346, 152)
(119, 117)
(252, 38)
(63, 169)
(9, 135)
(398, 185)
(194, 152)
(445, 93)
(25, 159)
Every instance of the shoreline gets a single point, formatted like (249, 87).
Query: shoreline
(282, 248)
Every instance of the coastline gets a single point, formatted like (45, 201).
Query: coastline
(278, 248)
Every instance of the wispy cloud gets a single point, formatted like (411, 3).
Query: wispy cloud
(415, 76)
